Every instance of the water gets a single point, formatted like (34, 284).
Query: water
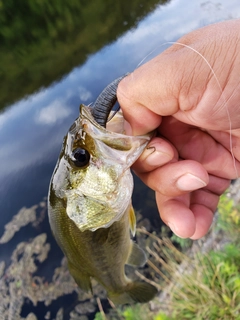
(54, 57)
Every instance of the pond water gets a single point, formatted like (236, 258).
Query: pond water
(54, 57)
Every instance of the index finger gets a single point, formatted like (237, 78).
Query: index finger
(141, 119)
(143, 98)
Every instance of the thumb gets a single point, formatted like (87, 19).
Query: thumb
(144, 95)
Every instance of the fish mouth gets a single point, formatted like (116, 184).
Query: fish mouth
(105, 102)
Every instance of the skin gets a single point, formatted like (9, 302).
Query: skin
(195, 111)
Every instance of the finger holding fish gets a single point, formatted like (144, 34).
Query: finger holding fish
(157, 153)
(176, 178)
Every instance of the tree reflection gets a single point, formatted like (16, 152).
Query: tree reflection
(42, 40)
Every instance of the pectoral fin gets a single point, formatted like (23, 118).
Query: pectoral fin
(137, 256)
(82, 280)
(132, 221)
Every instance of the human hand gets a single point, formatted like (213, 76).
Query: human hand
(195, 110)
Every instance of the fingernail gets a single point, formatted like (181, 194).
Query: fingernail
(174, 229)
(189, 182)
(155, 157)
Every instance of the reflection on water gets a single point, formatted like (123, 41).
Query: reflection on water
(43, 41)
(51, 60)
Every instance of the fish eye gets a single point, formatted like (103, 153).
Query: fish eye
(80, 157)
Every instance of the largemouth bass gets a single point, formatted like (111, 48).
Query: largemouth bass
(90, 210)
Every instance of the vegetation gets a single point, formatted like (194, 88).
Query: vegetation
(211, 290)
(197, 286)
(229, 218)
(41, 41)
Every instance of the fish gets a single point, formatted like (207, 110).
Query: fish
(89, 203)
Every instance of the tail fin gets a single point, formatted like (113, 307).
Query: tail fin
(134, 292)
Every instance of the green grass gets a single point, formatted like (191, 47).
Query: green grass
(229, 218)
